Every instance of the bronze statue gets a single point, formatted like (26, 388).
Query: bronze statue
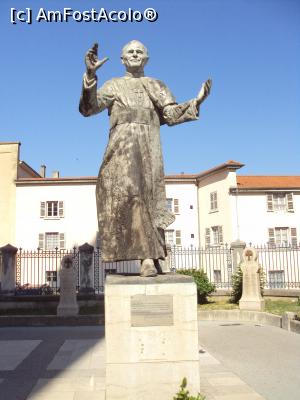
(130, 192)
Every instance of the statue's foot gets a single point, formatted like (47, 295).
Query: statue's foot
(148, 268)
(158, 267)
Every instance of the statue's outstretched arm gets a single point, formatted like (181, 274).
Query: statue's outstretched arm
(89, 103)
(174, 114)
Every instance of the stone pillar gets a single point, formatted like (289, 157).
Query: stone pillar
(251, 298)
(287, 317)
(237, 248)
(86, 252)
(8, 269)
(68, 279)
(151, 334)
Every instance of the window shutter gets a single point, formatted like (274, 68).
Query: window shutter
(271, 236)
(207, 236)
(41, 241)
(220, 234)
(61, 209)
(176, 206)
(178, 237)
(294, 237)
(61, 240)
(269, 202)
(97, 240)
(43, 209)
(290, 204)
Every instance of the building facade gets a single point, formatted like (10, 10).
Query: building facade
(212, 208)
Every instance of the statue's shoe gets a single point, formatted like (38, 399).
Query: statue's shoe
(148, 268)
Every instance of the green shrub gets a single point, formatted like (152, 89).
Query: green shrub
(237, 284)
(183, 393)
(204, 287)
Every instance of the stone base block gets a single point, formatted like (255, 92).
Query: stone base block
(149, 381)
(67, 311)
(252, 305)
(151, 335)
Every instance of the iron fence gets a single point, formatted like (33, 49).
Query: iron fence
(37, 272)
(281, 266)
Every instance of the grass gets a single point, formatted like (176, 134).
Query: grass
(274, 305)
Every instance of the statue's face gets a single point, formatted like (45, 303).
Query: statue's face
(134, 56)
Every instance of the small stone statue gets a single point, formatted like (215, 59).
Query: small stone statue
(251, 297)
(130, 192)
(67, 302)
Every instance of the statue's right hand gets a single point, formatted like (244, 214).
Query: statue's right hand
(92, 61)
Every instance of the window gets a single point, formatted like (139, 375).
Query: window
(217, 234)
(173, 237)
(51, 240)
(276, 279)
(213, 201)
(282, 236)
(280, 202)
(214, 235)
(51, 209)
(170, 204)
(169, 237)
(173, 205)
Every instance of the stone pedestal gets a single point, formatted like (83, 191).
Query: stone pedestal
(251, 298)
(151, 332)
(67, 302)
(86, 253)
(8, 269)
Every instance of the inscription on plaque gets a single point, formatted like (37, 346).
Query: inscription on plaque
(151, 310)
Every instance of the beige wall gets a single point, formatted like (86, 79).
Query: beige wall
(9, 158)
(220, 182)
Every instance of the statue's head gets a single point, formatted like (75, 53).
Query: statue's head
(134, 56)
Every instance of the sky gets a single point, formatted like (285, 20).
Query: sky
(250, 49)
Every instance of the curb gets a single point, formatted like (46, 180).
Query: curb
(50, 320)
(251, 316)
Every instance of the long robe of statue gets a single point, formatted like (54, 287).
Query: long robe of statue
(130, 191)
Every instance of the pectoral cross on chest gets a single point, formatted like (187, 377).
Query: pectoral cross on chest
(139, 96)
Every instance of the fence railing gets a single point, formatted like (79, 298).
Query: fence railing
(37, 272)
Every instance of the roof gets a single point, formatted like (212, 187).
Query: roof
(231, 165)
(28, 169)
(183, 178)
(268, 182)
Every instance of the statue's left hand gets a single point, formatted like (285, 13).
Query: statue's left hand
(204, 91)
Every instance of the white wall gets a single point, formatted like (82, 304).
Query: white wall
(254, 219)
(80, 218)
(186, 221)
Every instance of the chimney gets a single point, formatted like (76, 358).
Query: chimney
(43, 171)
(55, 174)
